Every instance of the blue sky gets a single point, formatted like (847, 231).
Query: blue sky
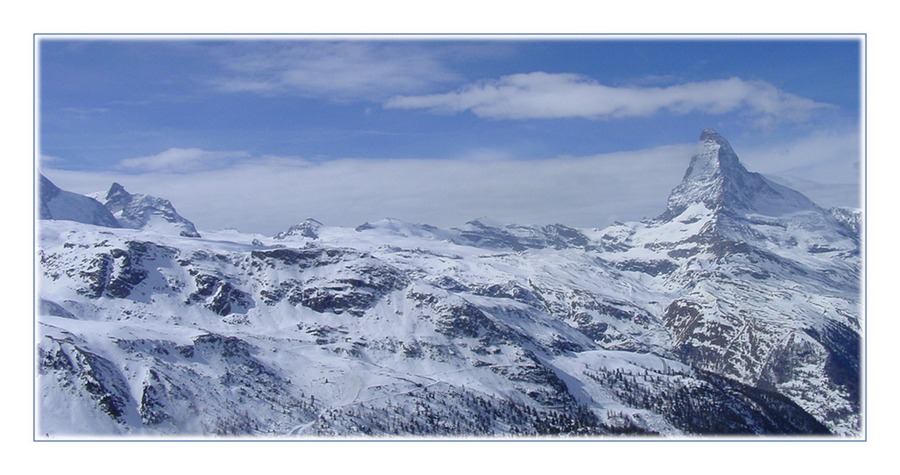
(582, 131)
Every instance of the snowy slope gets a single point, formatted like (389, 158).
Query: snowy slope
(64, 205)
(735, 312)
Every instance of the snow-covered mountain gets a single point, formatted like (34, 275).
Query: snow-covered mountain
(737, 311)
(308, 229)
(116, 208)
(760, 275)
(139, 211)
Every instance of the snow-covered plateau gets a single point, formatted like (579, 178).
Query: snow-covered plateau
(736, 312)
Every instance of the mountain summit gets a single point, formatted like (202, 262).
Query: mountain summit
(139, 211)
(717, 179)
(736, 207)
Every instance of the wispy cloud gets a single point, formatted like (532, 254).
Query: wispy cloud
(339, 71)
(827, 155)
(541, 95)
(50, 159)
(584, 191)
(86, 111)
(181, 160)
(486, 154)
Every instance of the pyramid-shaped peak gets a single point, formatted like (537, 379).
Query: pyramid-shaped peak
(717, 179)
(716, 153)
(710, 135)
(116, 189)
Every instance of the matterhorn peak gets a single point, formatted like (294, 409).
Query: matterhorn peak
(714, 160)
(708, 135)
(717, 179)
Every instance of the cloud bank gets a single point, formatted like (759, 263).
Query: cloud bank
(268, 195)
(824, 165)
(540, 95)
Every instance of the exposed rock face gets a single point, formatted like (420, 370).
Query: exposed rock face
(116, 209)
(139, 211)
(307, 229)
(717, 179)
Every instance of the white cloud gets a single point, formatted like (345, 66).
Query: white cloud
(540, 95)
(340, 71)
(181, 160)
(486, 154)
(824, 156)
(50, 159)
(86, 111)
(824, 165)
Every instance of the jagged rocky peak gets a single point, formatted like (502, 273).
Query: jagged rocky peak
(717, 179)
(716, 156)
(309, 228)
(118, 199)
(139, 211)
(117, 192)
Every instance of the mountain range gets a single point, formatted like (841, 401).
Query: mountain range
(736, 311)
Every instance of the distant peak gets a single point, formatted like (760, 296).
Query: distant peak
(116, 189)
(140, 211)
(59, 204)
(723, 153)
(714, 159)
(47, 186)
(716, 178)
(713, 170)
(711, 135)
(308, 228)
